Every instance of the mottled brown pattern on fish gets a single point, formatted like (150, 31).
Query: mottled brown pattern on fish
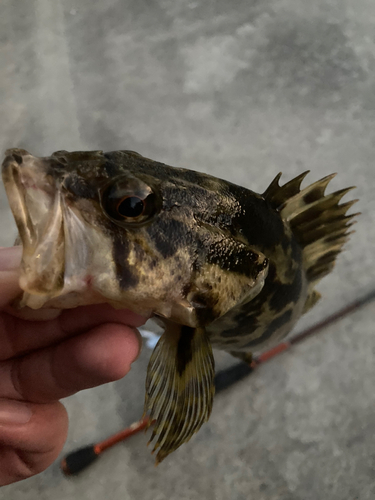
(217, 263)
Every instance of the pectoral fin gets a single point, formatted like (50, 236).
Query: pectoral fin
(179, 386)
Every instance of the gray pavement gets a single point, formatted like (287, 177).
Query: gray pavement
(241, 90)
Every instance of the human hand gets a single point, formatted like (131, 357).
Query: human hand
(48, 356)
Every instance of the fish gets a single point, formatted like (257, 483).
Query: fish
(216, 264)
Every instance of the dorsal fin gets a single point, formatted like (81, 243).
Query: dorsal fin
(277, 195)
(318, 221)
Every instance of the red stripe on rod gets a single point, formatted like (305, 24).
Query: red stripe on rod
(121, 436)
(271, 353)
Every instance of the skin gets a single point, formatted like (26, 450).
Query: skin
(48, 355)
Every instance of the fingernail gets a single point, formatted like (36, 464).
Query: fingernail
(10, 258)
(14, 412)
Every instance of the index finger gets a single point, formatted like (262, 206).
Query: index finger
(19, 336)
(103, 354)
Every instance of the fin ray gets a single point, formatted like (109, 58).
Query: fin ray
(277, 194)
(179, 386)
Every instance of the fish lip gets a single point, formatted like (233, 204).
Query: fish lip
(35, 202)
(18, 169)
(13, 160)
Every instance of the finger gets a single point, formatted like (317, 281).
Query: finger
(32, 314)
(18, 336)
(9, 288)
(101, 355)
(10, 259)
(85, 317)
(31, 438)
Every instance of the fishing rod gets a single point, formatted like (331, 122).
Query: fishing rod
(80, 459)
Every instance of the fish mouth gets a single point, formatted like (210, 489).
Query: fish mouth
(36, 205)
(66, 262)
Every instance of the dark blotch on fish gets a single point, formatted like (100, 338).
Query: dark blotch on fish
(286, 294)
(80, 189)
(271, 329)
(127, 278)
(184, 348)
(166, 245)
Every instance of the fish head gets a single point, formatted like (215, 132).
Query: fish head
(121, 228)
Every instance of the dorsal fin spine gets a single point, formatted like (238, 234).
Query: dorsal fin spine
(318, 221)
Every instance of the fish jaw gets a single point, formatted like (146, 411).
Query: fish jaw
(36, 206)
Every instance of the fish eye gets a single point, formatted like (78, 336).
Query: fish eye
(129, 201)
(131, 206)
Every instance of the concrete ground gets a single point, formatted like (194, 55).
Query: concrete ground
(242, 90)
